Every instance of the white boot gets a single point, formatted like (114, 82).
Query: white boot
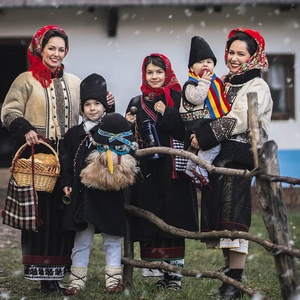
(113, 279)
(77, 279)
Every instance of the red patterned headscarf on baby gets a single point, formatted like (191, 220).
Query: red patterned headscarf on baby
(39, 71)
(171, 82)
(259, 59)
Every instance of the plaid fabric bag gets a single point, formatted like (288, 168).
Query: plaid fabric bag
(21, 204)
(20, 209)
(180, 161)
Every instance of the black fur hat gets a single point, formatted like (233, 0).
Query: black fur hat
(200, 50)
(113, 129)
(93, 87)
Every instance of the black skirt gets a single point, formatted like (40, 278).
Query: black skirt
(46, 254)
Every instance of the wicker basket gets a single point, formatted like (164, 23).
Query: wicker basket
(45, 175)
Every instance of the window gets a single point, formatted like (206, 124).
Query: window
(280, 77)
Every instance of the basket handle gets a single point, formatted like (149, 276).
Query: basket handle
(22, 148)
(32, 165)
(17, 156)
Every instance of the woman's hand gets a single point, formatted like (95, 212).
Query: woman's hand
(194, 141)
(110, 98)
(131, 118)
(160, 107)
(32, 138)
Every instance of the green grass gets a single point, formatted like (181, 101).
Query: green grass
(259, 274)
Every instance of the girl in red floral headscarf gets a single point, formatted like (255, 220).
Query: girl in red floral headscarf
(44, 101)
(228, 204)
(162, 188)
(170, 80)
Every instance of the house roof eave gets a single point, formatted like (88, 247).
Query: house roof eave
(119, 3)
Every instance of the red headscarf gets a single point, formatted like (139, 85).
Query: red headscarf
(171, 82)
(39, 71)
(259, 59)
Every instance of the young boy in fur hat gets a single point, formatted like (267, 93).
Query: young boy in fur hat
(202, 101)
(94, 178)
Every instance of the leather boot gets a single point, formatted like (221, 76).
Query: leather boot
(224, 285)
(77, 278)
(113, 279)
(50, 286)
(174, 282)
(231, 292)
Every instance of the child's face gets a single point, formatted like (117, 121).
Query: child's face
(93, 109)
(155, 76)
(203, 64)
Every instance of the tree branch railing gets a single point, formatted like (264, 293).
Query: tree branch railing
(196, 235)
(191, 273)
(219, 170)
(270, 202)
(272, 248)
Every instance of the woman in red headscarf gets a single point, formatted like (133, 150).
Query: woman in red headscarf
(162, 189)
(44, 101)
(228, 204)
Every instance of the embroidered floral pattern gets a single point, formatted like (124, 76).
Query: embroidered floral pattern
(232, 92)
(39, 272)
(196, 115)
(258, 60)
(9, 118)
(223, 128)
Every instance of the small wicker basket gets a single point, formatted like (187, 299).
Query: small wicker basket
(45, 175)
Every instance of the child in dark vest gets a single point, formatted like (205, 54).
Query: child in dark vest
(92, 156)
(202, 101)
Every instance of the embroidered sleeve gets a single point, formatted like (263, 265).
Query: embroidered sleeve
(239, 110)
(15, 101)
(223, 128)
(18, 128)
(210, 134)
(236, 121)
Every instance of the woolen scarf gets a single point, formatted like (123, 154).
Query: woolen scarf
(216, 99)
(171, 82)
(39, 71)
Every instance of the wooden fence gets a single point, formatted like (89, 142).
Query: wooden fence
(270, 201)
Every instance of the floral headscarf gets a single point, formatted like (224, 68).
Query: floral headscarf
(259, 59)
(171, 82)
(39, 71)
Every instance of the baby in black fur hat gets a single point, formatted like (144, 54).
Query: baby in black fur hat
(202, 100)
(95, 168)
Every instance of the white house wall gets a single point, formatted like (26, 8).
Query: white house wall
(142, 30)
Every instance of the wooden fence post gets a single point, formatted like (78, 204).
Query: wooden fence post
(253, 124)
(128, 244)
(274, 213)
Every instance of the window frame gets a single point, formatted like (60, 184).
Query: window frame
(288, 61)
